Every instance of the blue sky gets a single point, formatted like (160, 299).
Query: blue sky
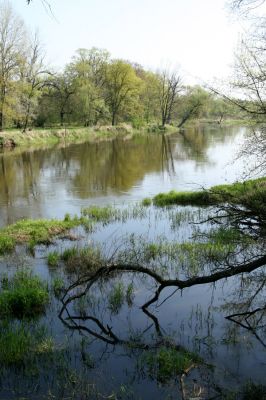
(199, 36)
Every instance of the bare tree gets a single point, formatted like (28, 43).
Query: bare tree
(12, 47)
(168, 89)
(31, 78)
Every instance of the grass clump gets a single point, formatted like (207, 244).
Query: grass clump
(166, 363)
(101, 214)
(23, 296)
(146, 202)
(58, 286)
(116, 297)
(53, 259)
(7, 244)
(242, 193)
(34, 232)
(19, 343)
(81, 259)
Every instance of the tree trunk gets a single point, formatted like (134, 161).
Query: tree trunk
(62, 114)
(113, 118)
(1, 121)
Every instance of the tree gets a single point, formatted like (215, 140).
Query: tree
(168, 89)
(88, 71)
(149, 96)
(60, 92)
(12, 53)
(31, 80)
(192, 104)
(122, 87)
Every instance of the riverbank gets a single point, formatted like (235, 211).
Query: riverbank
(39, 137)
(51, 136)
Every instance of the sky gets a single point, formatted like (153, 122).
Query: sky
(198, 36)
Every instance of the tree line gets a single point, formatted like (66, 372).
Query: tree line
(92, 89)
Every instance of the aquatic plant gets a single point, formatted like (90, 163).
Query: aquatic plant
(23, 295)
(116, 297)
(236, 192)
(19, 343)
(130, 294)
(82, 259)
(166, 363)
(7, 244)
(53, 259)
(146, 202)
(58, 285)
(34, 232)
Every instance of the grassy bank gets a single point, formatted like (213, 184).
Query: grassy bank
(242, 193)
(50, 136)
(34, 232)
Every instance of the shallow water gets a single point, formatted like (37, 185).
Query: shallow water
(101, 348)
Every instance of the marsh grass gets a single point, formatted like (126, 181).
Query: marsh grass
(165, 363)
(110, 214)
(21, 342)
(53, 259)
(23, 295)
(34, 232)
(7, 244)
(82, 259)
(116, 297)
(58, 285)
(236, 192)
(146, 202)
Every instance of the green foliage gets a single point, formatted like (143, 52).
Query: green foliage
(33, 231)
(70, 253)
(19, 343)
(251, 192)
(167, 363)
(23, 295)
(58, 285)
(7, 244)
(100, 214)
(146, 202)
(81, 259)
(53, 259)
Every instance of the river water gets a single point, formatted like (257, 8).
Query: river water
(52, 182)
(106, 346)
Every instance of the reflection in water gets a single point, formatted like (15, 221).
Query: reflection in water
(85, 309)
(54, 181)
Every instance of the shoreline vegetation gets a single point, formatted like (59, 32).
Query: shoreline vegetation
(36, 137)
(250, 194)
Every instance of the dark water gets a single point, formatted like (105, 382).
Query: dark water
(102, 351)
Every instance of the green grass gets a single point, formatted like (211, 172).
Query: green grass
(19, 343)
(242, 193)
(166, 363)
(101, 214)
(58, 285)
(7, 244)
(23, 296)
(82, 259)
(146, 202)
(53, 259)
(34, 232)
(39, 137)
(116, 297)
(110, 214)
